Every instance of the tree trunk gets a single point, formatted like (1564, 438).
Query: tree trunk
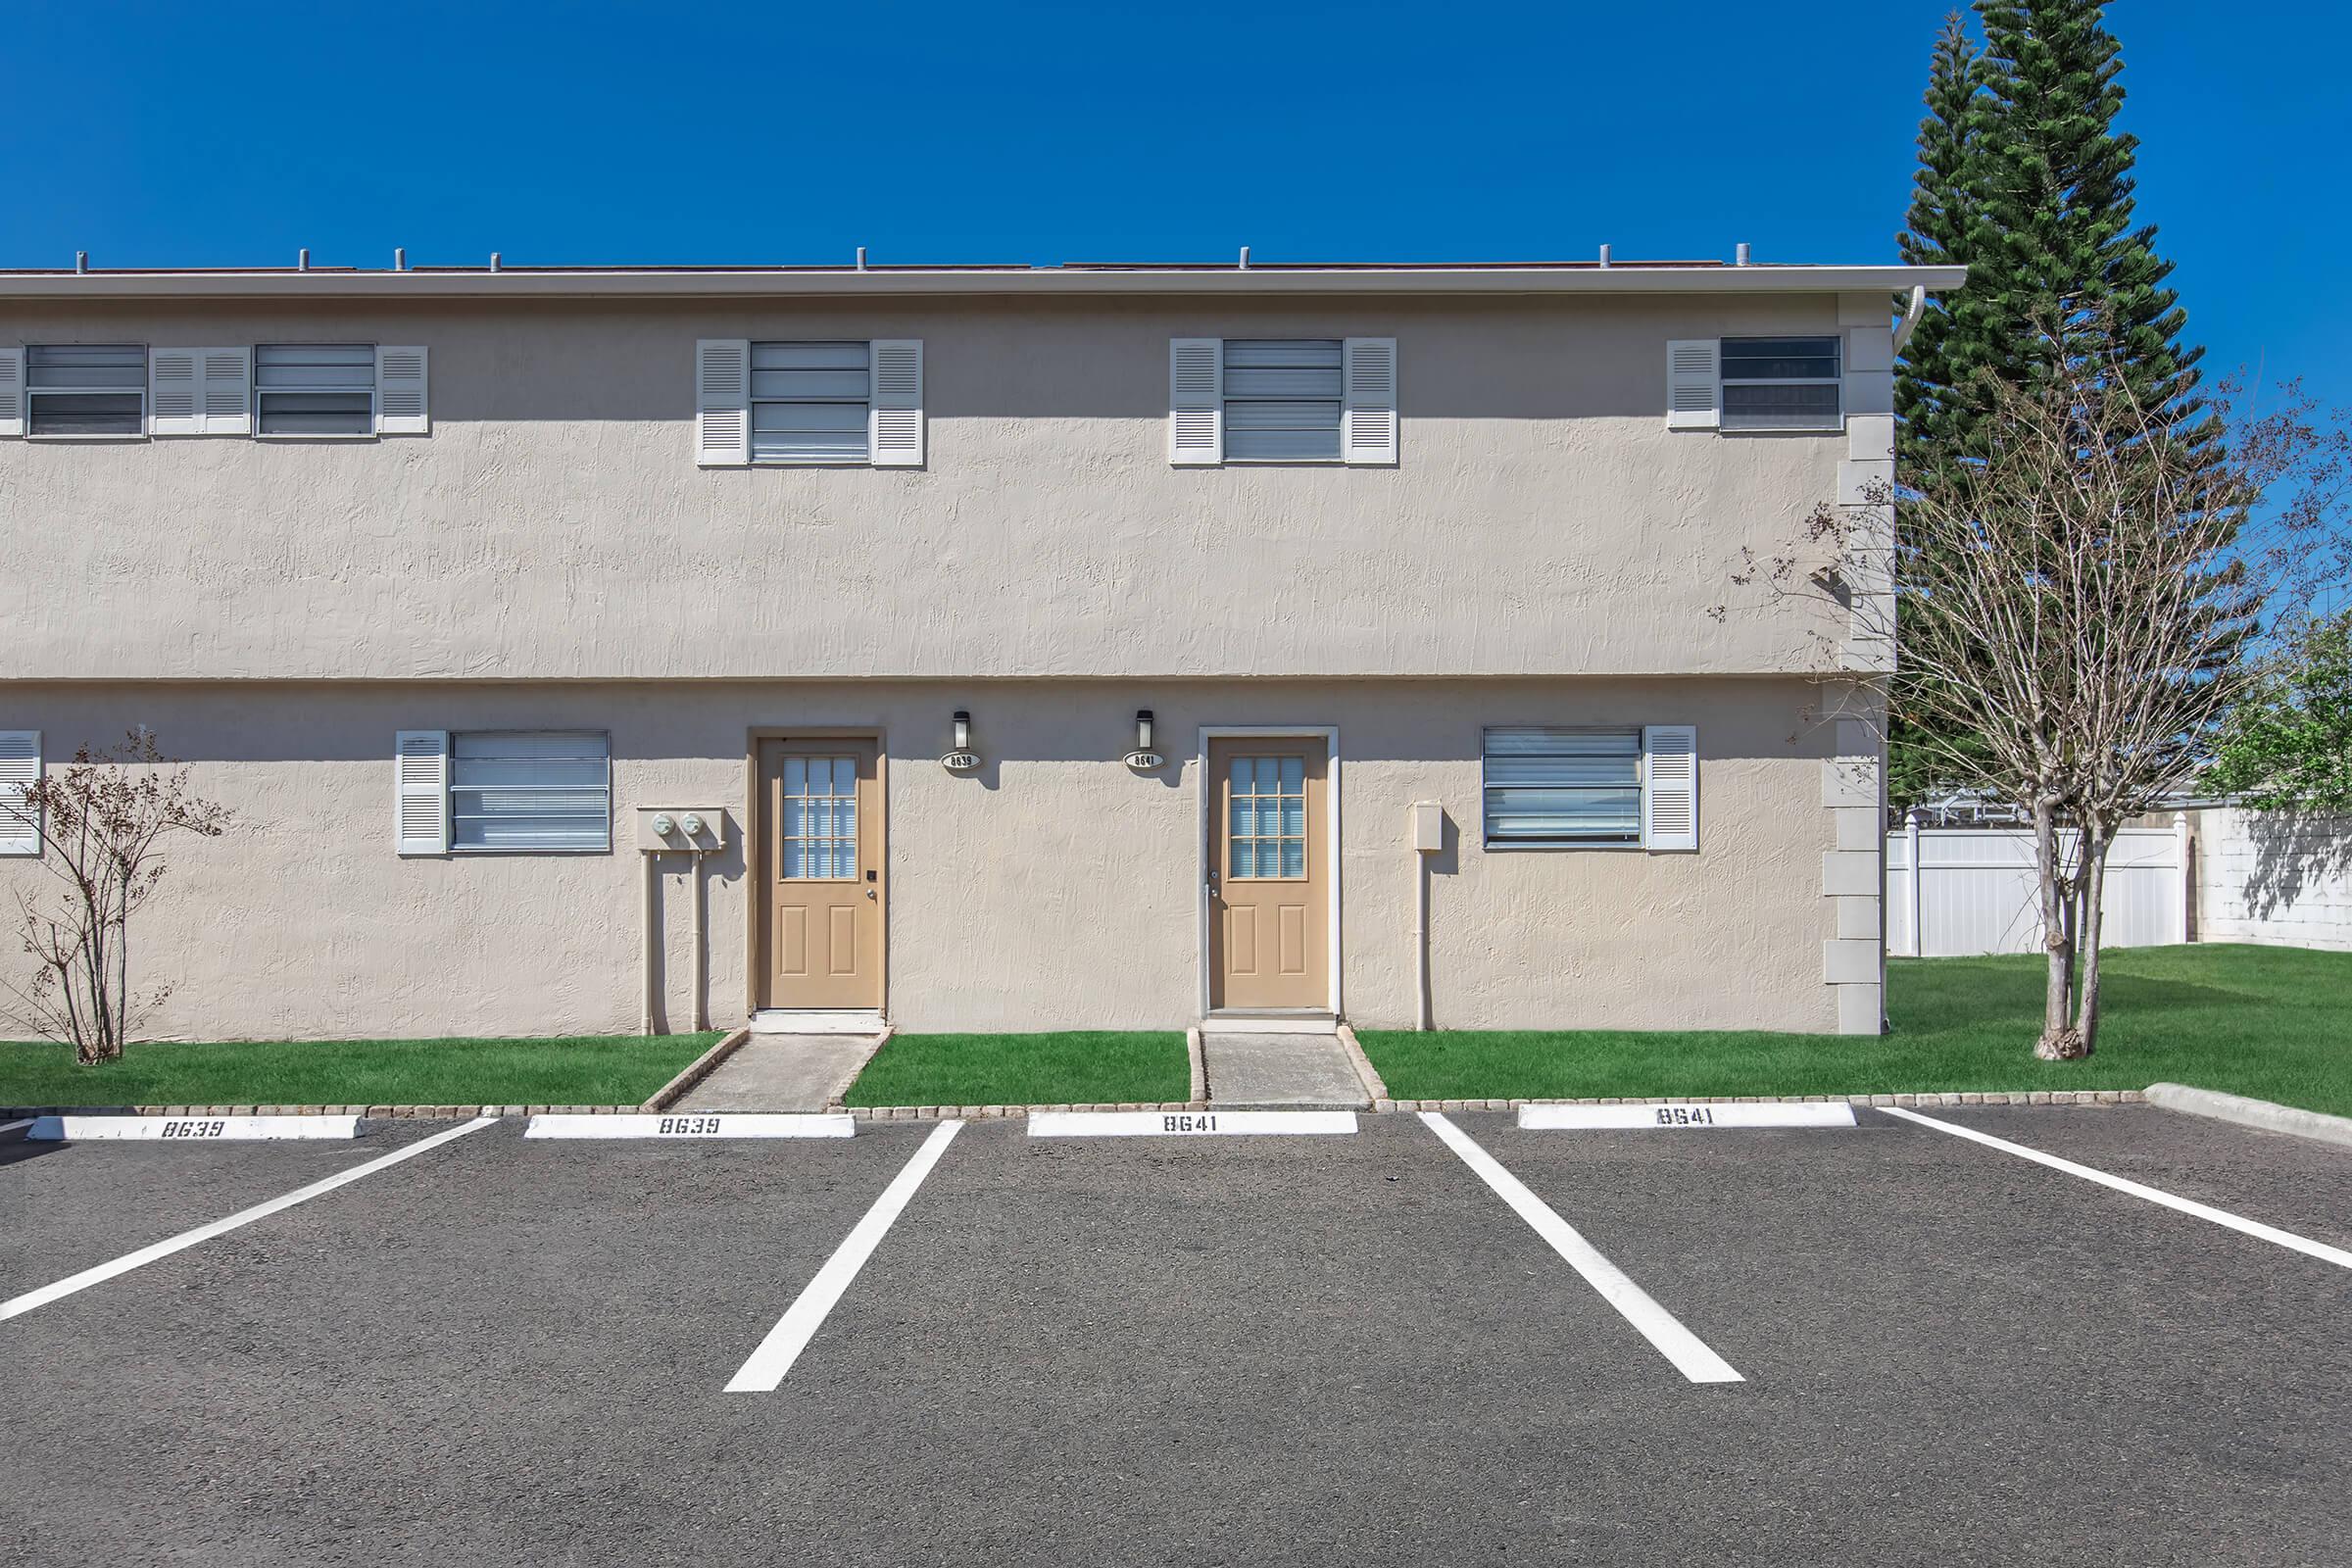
(2058, 1042)
(123, 966)
(2094, 883)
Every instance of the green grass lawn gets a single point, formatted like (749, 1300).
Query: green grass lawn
(1087, 1067)
(594, 1070)
(2271, 1022)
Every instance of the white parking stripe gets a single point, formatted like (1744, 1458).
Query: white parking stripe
(220, 1227)
(1687, 1351)
(2269, 1233)
(12, 1126)
(784, 1342)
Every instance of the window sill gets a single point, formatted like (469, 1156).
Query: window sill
(92, 440)
(455, 854)
(811, 462)
(1554, 847)
(277, 439)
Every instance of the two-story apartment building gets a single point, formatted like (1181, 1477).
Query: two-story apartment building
(998, 646)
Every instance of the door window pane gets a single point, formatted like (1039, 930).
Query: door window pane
(819, 825)
(1266, 821)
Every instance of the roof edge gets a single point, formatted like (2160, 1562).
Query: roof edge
(799, 282)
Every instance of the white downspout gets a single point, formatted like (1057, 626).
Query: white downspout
(701, 1001)
(1910, 322)
(644, 959)
(1422, 1021)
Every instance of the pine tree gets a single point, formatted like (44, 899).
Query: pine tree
(1936, 233)
(2051, 241)
(2024, 180)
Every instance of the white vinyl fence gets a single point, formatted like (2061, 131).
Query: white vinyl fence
(1954, 891)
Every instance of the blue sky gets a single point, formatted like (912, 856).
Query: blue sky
(162, 134)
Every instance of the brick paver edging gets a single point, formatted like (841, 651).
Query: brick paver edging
(1926, 1101)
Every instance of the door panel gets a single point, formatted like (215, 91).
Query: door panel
(1270, 898)
(823, 891)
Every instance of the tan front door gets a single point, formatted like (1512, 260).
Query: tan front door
(820, 866)
(1269, 894)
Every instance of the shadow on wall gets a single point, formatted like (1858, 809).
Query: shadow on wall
(1082, 357)
(2295, 851)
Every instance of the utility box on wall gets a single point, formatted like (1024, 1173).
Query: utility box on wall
(1429, 827)
(681, 828)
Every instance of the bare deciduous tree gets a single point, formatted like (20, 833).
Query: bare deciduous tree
(2076, 607)
(104, 818)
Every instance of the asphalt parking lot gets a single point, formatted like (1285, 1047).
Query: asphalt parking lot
(1130, 1351)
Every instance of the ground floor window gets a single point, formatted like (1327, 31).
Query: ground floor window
(1550, 787)
(530, 790)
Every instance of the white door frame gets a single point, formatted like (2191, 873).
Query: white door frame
(1330, 736)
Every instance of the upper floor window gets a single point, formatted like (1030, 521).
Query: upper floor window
(1781, 384)
(86, 389)
(1282, 400)
(809, 402)
(315, 389)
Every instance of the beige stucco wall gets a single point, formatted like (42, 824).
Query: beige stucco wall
(1054, 889)
(552, 524)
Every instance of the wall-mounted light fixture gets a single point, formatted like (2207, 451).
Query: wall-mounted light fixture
(1144, 758)
(960, 758)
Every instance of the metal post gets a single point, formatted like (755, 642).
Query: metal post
(1919, 904)
(2184, 846)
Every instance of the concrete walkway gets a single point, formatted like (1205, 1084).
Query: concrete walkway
(1280, 1069)
(783, 1072)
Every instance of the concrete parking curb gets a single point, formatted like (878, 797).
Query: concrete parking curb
(1919, 1101)
(2268, 1115)
(695, 1071)
(1365, 1073)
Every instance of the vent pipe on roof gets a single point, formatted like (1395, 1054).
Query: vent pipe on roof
(861, 258)
(1740, 255)
(302, 260)
(81, 261)
(1244, 258)
(400, 258)
(494, 261)
(1604, 253)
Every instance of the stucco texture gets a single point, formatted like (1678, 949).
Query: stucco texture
(1052, 889)
(552, 524)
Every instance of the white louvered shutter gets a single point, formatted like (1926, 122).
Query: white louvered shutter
(722, 402)
(12, 391)
(1197, 400)
(895, 418)
(175, 392)
(400, 402)
(225, 390)
(19, 771)
(1669, 787)
(421, 791)
(1692, 395)
(1369, 422)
